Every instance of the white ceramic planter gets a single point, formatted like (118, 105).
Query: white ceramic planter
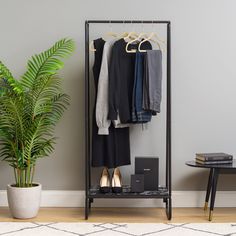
(24, 203)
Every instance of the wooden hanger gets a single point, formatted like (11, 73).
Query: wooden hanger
(91, 47)
(105, 37)
(130, 35)
(150, 38)
(138, 38)
(126, 35)
(133, 36)
(110, 33)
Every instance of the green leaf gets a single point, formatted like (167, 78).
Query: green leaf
(48, 62)
(7, 78)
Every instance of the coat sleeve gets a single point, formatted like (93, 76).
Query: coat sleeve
(114, 84)
(102, 96)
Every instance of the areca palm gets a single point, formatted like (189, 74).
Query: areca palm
(30, 109)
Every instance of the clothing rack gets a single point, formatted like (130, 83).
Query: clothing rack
(163, 193)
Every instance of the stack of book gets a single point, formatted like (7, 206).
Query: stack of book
(214, 158)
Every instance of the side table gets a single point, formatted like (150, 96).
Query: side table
(214, 172)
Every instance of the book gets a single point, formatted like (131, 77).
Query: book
(214, 162)
(213, 156)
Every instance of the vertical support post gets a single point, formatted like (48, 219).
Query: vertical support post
(168, 117)
(87, 120)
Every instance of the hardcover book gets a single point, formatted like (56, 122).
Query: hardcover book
(213, 156)
(214, 162)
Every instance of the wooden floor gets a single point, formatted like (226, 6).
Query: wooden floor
(127, 215)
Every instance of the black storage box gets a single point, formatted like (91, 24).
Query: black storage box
(137, 183)
(149, 167)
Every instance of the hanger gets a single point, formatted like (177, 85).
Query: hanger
(91, 47)
(131, 35)
(138, 38)
(125, 33)
(147, 37)
(128, 35)
(110, 33)
(151, 38)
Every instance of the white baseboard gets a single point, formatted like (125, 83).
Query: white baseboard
(54, 198)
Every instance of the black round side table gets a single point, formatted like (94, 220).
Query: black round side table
(215, 170)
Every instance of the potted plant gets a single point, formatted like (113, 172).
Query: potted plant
(29, 111)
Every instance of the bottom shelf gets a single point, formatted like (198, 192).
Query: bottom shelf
(162, 192)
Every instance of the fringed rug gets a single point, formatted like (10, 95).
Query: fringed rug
(115, 229)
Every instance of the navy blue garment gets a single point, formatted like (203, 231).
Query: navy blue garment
(139, 115)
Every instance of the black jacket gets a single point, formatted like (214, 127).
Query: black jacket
(121, 80)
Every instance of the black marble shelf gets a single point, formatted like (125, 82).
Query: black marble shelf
(162, 192)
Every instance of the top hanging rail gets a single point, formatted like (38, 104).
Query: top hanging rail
(128, 21)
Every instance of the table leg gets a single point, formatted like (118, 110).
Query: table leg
(209, 185)
(213, 191)
(86, 209)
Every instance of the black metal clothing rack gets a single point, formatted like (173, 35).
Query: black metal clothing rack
(164, 192)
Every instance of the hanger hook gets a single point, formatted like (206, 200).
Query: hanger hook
(110, 26)
(152, 26)
(132, 25)
(123, 25)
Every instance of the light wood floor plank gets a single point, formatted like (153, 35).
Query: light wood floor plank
(128, 215)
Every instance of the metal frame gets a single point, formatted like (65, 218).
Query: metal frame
(166, 197)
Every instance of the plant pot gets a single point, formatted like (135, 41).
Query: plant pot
(24, 203)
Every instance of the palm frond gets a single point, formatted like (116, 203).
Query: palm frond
(47, 62)
(43, 148)
(59, 104)
(11, 116)
(43, 94)
(7, 78)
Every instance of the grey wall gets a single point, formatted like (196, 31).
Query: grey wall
(204, 80)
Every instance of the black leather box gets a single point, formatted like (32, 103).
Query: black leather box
(137, 183)
(149, 167)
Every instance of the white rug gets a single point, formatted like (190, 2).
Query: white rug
(115, 229)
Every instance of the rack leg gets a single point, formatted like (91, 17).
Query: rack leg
(90, 202)
(86, 209)
(168, 208)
